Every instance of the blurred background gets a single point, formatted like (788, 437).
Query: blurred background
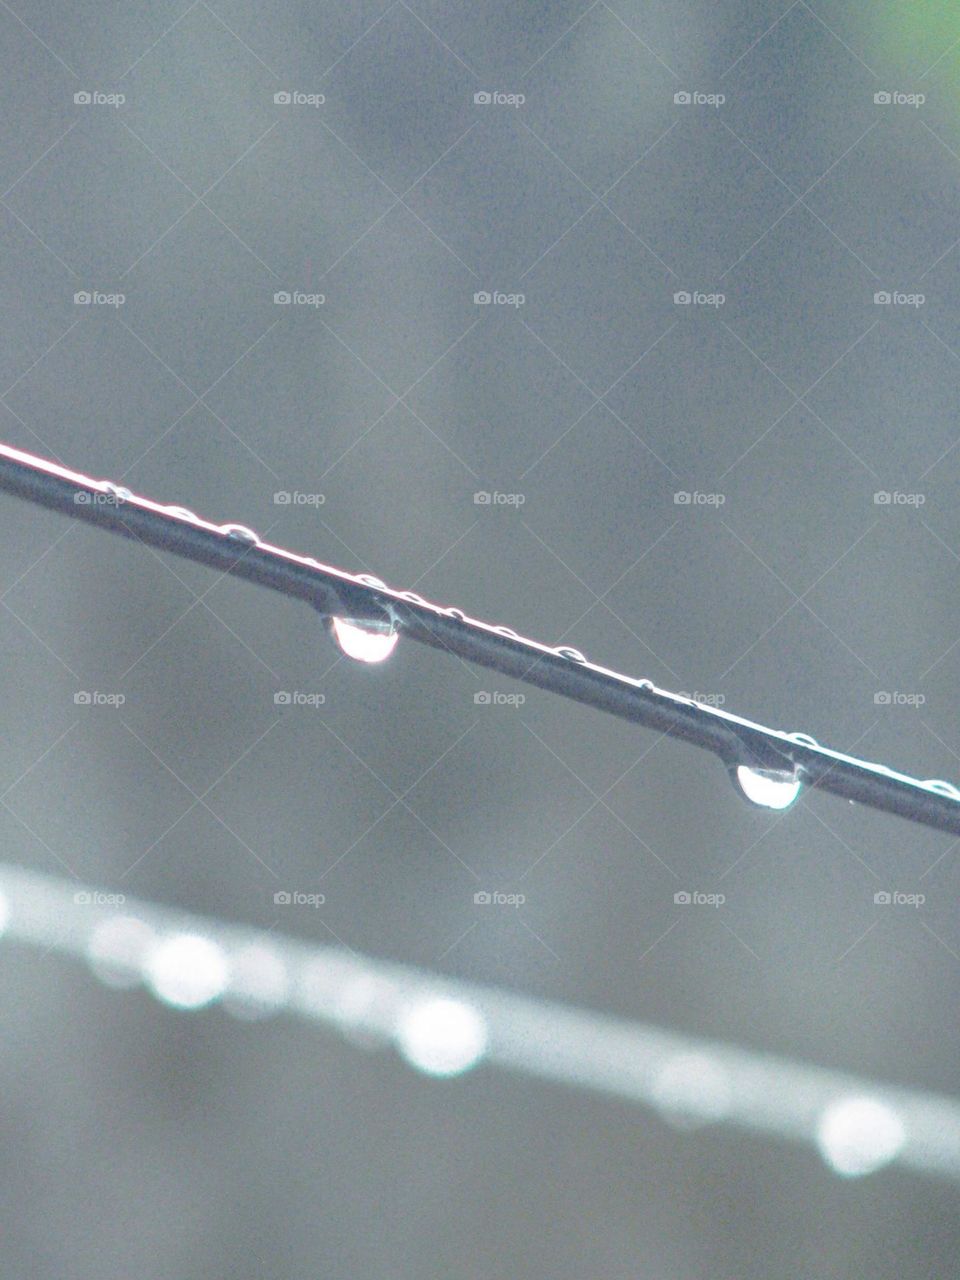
(674, 286)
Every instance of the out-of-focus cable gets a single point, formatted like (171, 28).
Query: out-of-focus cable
(444, 1028)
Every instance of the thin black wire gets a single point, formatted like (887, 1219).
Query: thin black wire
(334, 592)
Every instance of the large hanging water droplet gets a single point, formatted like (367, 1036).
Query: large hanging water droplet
(767, 788)
(365, 641)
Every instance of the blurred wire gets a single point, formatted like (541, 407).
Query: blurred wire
(444, 1028)
(769, 766)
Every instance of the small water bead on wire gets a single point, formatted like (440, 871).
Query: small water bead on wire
(803, 739)
(942, 788)
(117, 491)
(568, 652)
(240, 533)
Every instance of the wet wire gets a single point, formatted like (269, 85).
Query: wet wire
(770, 766)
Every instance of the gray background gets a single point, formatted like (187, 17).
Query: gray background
(138, 1141)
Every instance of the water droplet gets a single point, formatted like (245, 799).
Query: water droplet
(644, 683)
(943, 788)
(767, 788)
(858, 1135)
(240, 533)
(117, 491)
(369, 580)
(565, 651)
(456, 613)
(442, 1037)
(804, 739)
(183, 512)
(506, 631)
(692, 1089)
(187, 971)
(365, 641)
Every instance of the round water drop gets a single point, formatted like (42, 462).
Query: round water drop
(858, 1135)
(942, 788)
(365, 641)
(768, 788)
(183, 512)
(240, 533)
(804, 739)
(442, 1037)
(566, 651)
(187, 971)
(692, 1089)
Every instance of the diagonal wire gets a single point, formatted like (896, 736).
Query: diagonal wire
(776, 762)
